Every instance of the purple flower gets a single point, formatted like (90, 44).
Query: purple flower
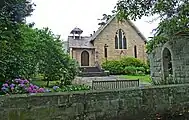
(21, 81)
(3, 88)
(17, 80)
(41, 90)
(35, 87)
(34, 91)
(29, 90)
(12, 85)
(5, 85)
(31, 86)
(26, 81)
(21, 85)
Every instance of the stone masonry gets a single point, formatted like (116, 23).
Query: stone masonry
(95, 43)
(126, 104)
(107, 36)
(179, 59)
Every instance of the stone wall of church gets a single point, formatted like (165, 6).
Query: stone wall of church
(107, 36)
(77, 55)
(180, 60)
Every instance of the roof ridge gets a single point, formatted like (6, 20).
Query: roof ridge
(130, 23)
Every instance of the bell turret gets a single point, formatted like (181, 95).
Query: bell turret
(76, 32)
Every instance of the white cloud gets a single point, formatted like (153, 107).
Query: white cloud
(63, 15)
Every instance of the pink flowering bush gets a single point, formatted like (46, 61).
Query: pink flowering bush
(19, 86)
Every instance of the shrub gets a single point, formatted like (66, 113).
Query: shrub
(126, 65)
(114, 66)
(131, 70)
(20, 86)
(130, 61)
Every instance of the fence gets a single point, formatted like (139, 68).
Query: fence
(114, 84)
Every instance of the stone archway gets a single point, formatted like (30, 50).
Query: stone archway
(84, 58)
(167, 63)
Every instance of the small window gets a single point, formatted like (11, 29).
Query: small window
(135, 51)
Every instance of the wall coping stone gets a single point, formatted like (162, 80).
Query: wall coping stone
(91, 91)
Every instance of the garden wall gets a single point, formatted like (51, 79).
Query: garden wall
(128, 104)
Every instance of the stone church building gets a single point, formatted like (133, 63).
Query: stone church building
(110, 42)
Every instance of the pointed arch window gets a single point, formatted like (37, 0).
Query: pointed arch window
(120, 40)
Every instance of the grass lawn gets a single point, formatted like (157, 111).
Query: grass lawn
(142, 78)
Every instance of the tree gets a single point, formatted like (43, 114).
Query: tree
(16, 10)
(12, 15)
(54, 64)
(104, 19)
(173, 15)
(25, 51)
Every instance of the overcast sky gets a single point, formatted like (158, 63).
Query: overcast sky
(63, 15)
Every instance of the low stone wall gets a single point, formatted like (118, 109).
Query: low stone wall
(128, 104)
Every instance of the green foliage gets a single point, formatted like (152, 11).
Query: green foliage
(126, 65)
(12, 15)
(26, 52)
(15, 11)
(68, 88)
(130, 61)
(113, 66)
(173, 15)
(153, 43)
(37, 51)
(53, 63)
(131, 70)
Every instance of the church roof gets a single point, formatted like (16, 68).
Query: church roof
(108, 22)
(84, 42)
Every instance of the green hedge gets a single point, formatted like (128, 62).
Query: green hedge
(126, 65)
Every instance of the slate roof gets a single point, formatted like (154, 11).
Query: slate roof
(84, 42)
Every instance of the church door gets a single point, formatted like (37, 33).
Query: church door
(84, 58)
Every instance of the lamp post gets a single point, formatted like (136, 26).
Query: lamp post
(105, 52)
